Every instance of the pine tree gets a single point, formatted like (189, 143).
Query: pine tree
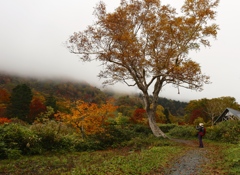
(20, 101)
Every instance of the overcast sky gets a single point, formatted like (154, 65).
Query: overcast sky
(33, 32)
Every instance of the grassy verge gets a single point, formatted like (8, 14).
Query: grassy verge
(128, 160)
(232, 159)
(139, 156)
(223, 158)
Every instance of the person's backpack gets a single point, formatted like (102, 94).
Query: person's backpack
(204, 131)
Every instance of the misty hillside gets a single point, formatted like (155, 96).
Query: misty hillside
(73, 90)
(59, 88)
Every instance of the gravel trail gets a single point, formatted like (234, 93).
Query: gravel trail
(191, 162)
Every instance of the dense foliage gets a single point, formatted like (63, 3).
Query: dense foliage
(18, 139)
(185, 132)
(176, 107)
(225, 132)
(209, 109)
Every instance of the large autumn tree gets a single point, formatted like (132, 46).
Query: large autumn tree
(88, 118)
(144, 43)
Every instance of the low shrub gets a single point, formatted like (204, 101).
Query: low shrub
(88, 145)
(144, 142)
(227, 131)
(16, 139)
(167, 127)
(183, 132)
(113, 137)
(55, 135)
(140, 129)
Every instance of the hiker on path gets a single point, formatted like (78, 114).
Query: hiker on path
(201, 133)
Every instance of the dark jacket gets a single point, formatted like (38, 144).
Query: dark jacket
(201, 130)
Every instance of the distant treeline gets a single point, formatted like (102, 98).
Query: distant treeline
(74, 91)
(175, 107)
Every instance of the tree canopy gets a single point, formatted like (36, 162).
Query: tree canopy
(144, 43)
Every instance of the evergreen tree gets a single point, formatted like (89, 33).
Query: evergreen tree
(166, 113)
(20, 101)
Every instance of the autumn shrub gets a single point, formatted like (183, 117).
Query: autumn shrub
(113, 137)
(19, 122)
(55, 135)
(183, 132)
(227, 131)
(4, 120)
(16, 140)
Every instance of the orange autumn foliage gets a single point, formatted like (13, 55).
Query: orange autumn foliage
(4, 99)
(4, 96)
(4, 120)
(88, 118)
(139, 116)
(36, 108)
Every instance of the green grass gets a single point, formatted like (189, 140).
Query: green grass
(232, 159)
(128, 160)
(224, 158)
(141, 162)
(139, 156)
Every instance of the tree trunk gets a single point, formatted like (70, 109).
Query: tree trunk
(153, 125)
(151, 106)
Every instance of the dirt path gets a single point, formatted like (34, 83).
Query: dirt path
(191, 162)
